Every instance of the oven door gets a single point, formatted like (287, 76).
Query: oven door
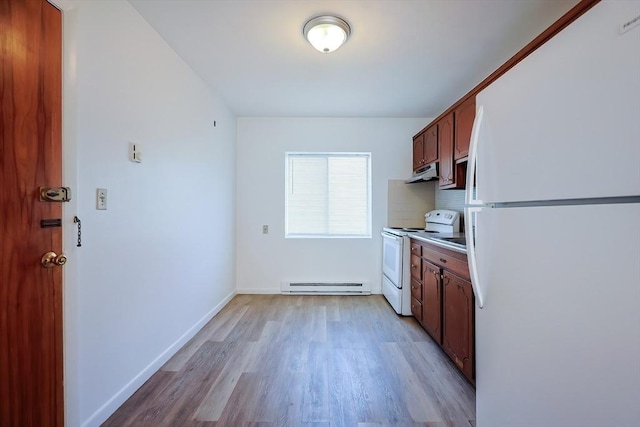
(392, 248)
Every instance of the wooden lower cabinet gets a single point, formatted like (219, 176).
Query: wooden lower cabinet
(432, 300)
(458, 322)
(416, 309)
(442, 301)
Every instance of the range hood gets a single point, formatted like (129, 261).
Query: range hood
(430, 173)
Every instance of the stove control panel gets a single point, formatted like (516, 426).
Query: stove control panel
(442, 216)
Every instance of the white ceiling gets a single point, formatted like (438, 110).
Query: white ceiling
(405, 58)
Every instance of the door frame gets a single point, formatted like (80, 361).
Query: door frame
(69, 211)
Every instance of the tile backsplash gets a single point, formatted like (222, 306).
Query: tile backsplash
(407, 203)
(450, 199)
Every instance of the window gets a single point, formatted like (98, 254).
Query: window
(328, 195)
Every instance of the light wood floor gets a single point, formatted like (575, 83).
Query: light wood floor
(274, 360)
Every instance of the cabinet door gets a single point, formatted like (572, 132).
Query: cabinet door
(432, 300)
(430, 145)
(445, 146)
(463, 119)
(418, 153)
(458, 339)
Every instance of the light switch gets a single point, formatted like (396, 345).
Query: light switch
(101, 199)
(265, 229)
(135, 152)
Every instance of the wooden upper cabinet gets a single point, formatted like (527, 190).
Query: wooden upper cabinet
(458, 339)
(418, 152)
(463, 119)
(425, 148)
(445, 146)
(430, 145)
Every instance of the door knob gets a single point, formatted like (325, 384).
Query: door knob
(51, 259)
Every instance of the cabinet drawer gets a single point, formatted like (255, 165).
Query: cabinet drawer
(416, 267)
(416, 249)
(447, 259)
(416, 290)
(416, 309)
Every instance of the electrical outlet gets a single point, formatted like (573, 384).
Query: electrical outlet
(265, 229)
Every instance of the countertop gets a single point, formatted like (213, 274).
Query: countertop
(434, 239)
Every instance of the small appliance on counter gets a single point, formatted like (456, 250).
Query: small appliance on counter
(396, 256)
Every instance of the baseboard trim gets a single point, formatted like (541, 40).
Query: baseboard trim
(106, 410)
(253, 291)
(269, 291)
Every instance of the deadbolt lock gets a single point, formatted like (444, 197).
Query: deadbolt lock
(55, 194)
(51, 259)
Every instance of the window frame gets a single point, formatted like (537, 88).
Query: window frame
(327, 154)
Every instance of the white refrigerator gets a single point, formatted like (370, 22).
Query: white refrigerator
(554, 239)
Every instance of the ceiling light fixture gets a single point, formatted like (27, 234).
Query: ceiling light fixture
(326, 33)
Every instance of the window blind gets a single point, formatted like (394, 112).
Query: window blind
(328, 195)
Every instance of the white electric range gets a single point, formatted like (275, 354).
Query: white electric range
(396, 256)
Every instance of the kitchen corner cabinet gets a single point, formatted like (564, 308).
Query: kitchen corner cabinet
(443, 303)
(425, 148)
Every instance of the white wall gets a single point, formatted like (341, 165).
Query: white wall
(263, 261)
(161, 260)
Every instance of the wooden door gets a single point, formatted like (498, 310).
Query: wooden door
(432, 300)
(30, 157)
(458, 335)
(445, 146)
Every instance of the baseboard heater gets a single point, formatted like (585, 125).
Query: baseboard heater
(326, 288)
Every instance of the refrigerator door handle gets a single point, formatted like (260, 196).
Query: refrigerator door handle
(469, 197)
(470, 214)
(473, 207)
